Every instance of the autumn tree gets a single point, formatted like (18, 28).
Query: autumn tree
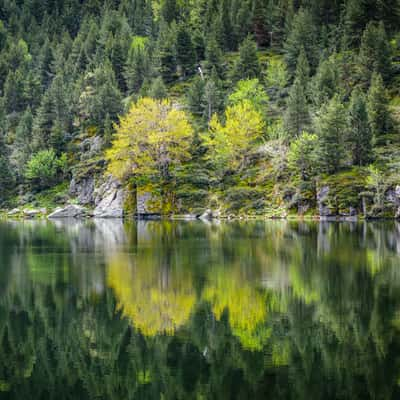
(229, 142)
(152, 138)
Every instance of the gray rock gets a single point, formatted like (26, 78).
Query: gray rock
(209, 215)
(83, 190)
(110, 200)
(31, 213)
(14, 211)
(322, 199)
(91, 147)
(71, 211)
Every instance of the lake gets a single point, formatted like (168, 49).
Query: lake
(192, 310)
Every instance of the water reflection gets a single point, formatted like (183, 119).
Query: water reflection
(181, 310)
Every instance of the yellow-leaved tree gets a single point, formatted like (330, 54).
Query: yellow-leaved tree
(229, 142)
(150, 139)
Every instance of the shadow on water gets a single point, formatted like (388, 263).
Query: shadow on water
(186, 310)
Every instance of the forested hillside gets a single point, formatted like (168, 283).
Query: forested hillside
(245, 107)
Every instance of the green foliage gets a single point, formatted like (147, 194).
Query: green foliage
(360, 136)
(375, 53)
(69, 70)
(276, 76)
(297, 115)
(250, 90)
(248, 65)
(302, 34)
(44, 168)
(303, 157)
(378, 112)
(150, 140)
(330, 126)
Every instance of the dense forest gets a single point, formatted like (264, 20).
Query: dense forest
(264, 107)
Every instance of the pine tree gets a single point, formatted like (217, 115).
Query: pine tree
(213, 96)
(330, 126)
(375, 53)
(297, 115)
(302, 34)
(195, 96)
(22, 144)
(185, 53)
(360, 136)
(169, 10)
(157, 89)
(213, 56)
(138, 65)
(167, 54)
(303, 69)
(248, 65)
(378, 111)
(325, 83)
(225, 30)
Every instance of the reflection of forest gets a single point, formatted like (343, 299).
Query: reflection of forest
(188, 310)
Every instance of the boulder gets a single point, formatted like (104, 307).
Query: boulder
(14, 211)
(31, 213)
(209, 215)
(110, 200)
(71, 211)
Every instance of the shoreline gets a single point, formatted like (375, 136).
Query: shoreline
(86, 214)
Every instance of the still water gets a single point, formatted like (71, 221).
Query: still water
(188, 310)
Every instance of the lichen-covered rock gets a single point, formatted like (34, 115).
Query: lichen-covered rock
(148, 203)
(70, 211)
(91, 147)
(109, 200)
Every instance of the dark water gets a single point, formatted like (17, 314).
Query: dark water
(177, 310)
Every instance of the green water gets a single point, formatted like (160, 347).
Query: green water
(188, 310)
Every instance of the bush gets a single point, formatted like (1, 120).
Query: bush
(44, 168)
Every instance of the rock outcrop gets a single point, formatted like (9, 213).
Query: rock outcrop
(83, 189)
(109, 199)
(70, 211)
(324, 210)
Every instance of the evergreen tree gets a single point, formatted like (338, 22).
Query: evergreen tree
(360, 137)
(330, 126)
(303, 69)
(213, 96)
(157, 89)
(195, 96)
(297, 115)
(213, 55)
(378, 111)
(169, 10)
(248, 65)
(138, 65)
(167, 54)
(22, 145)
(325, 83)
(302, 35)
(185, 53)
(375, 53)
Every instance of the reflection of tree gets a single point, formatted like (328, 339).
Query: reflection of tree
(155, 299)
(245, 305)
(263, 310)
